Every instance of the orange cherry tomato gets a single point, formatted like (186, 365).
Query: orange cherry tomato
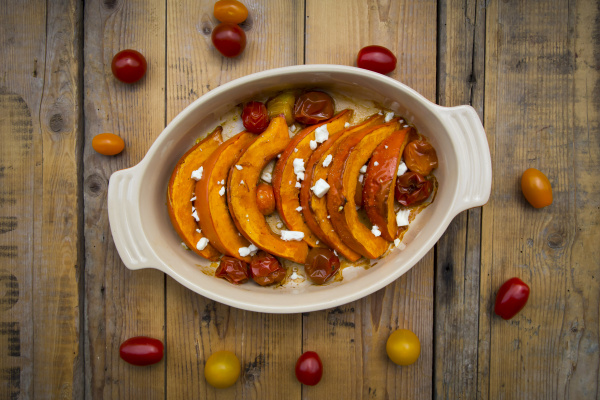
(420, 156)
(536, 188)
(265, 199)
(403, 347)
(230, 11)
(108, 144)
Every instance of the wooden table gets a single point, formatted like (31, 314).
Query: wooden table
(530, 68)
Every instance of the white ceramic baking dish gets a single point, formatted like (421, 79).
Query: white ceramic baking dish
(144, 237)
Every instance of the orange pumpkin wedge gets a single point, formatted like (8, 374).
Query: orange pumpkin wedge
(180, 191)
(315, 208)
(349, 158)
(380, 181)
(211, 203)
(284, 179)
(242, 195)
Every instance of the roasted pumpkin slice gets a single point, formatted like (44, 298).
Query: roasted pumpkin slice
(380, 181)
(285, 183)
(349, 158)
(180, 192)
(241, 193)
(211, 202)
(314, 208)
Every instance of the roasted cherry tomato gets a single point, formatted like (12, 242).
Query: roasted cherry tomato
(108, 144)
(313, 107)
(129, 66)
(321, 264)
(265, 269)
(511, 298)
(265, 199)
(403, 347)
(412, 188)
(141, 350)
(536, 188)
(229, 39)
(376, 58)
(222, 369)
(255, 117)
(309, 368)
(230, 11)
(232, 269)
(420, 156)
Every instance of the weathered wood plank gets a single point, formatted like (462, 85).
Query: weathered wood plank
(541, 107)
(351, 338)
(460, 81)
(267, 345)
(40, 219)
(120, 303)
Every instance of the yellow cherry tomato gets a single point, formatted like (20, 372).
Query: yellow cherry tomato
(230, 11)
(222, 369)
(536, 188)
(108, 144)
(403, 347)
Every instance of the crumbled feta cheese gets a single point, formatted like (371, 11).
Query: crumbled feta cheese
(335, 252)
(347, 125)
(388, 116)
(239, 167)
(363, 169)
(313, 144)
(375, 230)
(402, 168)
(375, 163)
(195, 215)
(380, 113)
(295, 150)
(278, 155)
(291, 235)
(266, 176)
(202, 243)
(321, 134)
(198, 230)
(329, 217)
(222, 181)
(299, 176)
(361, 177)
(298, 164)
(402, 217)
(386, 146)
(340, 208)
(298, 185)
(317, 242)
(321, 188)
(197, 174)
(222, 191)
(242, 182)
(299, 208)
(193, 198)
(327, 160)
(250, 250)
(396, 242)
(405, 126)
(279, 225)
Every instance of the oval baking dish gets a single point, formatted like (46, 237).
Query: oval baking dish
(145, 238)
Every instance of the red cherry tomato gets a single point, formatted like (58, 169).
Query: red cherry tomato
(309, 368)
(376, 58)
(230, 11)
(265, 269)
(141, 350)
(511, 298)
(412, 188)
(255, 117)
(536, 188)
(229, 39)
(321, 264)
(232, 269)
(108, 144)
(129, 66)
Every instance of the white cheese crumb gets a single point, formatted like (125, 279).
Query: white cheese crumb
(278, 155)
(222, 181)
(363, 169)
(195, 215)
(193, 198)
(375, 163)
(298, 185)
(299, 168)
(386, 146)
(321, 188)
(405, 126)
(402, 217)
(198, 230)
(380, 113)
(197, 174)
(388, 116)
(279, 225)
(245, 251)
(295, 150)
(242, 182)
(266, 176)
(335, 252)
(396, 242)
(402, 168)
(321, 134)
(329, 217)
(239, 167)
(184, 246)
(202, 243)
(347, 125)
(222, 191)
(294, 275)
(317, 242)
(291, 235)
(299, 208)
(327, 160)
(313, 144)
(361, 177)
(375, 230)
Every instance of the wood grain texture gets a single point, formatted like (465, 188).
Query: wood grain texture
(40, 241)
(351, 338)
(120, 303)
(266, 344)
(460, 81)
(542, 111)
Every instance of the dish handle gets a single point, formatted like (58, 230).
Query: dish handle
(124, 214)
(475, 168)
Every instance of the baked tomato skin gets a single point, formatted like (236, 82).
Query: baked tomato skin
(536, 188)
(141, 350)
(265, 269)
(309, 368)
(313, 107)
(412, 188)
(229, 39)
(232, 269)
(255, 117)
(129, 66)
(265, 198)
(511, 298)
(377, 59)
(321, 264)
(420, 156)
